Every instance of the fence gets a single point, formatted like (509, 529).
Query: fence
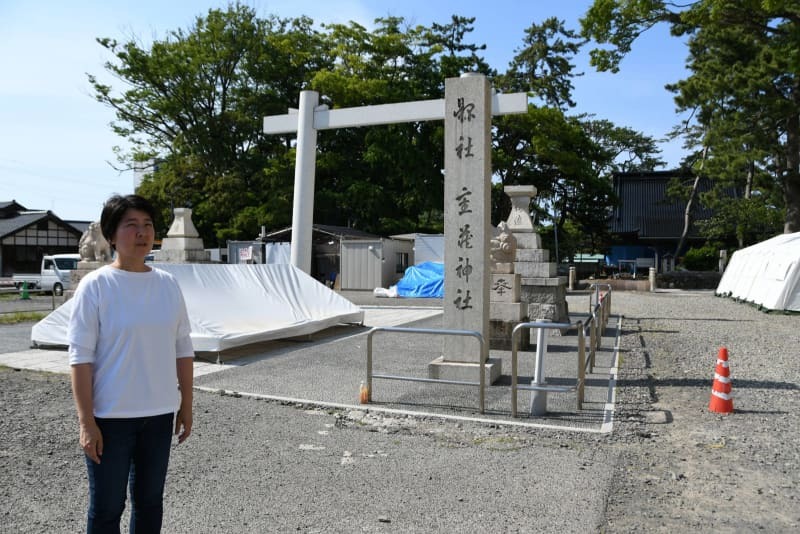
(595, 325)
(54, 301)
(599, 313)
(481, 383)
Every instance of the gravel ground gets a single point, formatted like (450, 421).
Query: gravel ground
(262, 466)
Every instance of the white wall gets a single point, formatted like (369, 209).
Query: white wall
(370, 263)
(428, 247)
(361, 264)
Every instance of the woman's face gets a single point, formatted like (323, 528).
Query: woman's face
(134, 236)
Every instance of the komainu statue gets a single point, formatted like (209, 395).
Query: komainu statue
(93, 246)
(502, 249)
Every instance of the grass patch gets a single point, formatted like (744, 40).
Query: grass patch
(22, 317)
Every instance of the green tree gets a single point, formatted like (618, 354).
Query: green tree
(743, 90)
(194, 102)
(568, 159)
(543, 64)
(388, 179)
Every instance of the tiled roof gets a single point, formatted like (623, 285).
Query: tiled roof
(10, 207)
(81, 226)
(644, 208)
(22, 220)
(15, 224)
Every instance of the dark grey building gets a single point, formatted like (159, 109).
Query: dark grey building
(27, 235)
(647, 223)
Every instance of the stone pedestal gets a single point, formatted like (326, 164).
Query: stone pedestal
(464, 371)
(542, 290)
(83, 268)
(506, 311)
(183, 243)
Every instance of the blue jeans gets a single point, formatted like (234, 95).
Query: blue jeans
(135, 453)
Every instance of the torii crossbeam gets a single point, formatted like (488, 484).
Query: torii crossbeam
(312, 117)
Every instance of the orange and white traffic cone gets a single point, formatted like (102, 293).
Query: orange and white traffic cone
(721, 398)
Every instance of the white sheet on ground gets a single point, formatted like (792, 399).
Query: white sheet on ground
(234, 305)
(766, 274)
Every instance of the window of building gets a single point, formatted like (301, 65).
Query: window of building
(402, 262)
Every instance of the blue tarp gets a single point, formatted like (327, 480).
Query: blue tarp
(423, 280)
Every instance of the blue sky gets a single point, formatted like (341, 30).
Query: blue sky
(55, 143)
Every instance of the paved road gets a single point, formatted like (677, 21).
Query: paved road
(268, 466)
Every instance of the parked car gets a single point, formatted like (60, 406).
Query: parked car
(55, 274)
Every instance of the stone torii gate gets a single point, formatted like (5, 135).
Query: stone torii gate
(467, 110)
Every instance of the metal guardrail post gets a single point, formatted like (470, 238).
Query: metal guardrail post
(592, 339)
(369, 366)
(538, 383)
(581, 364)
(539, 397)
(481, 383)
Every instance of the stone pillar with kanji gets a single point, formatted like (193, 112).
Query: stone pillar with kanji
(467, 228)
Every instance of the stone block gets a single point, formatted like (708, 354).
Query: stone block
(503, 268)
(537, 255)
(543, 294)
(182, 225)
(556, 313)
(182, 256)
(528, 240)
(504, 288)
(500, 335)
(462, 371)
(540, 281)
(507, 311)
(528, 269)
(182, 243)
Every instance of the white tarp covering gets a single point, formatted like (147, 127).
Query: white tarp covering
(235, 305)
(766, 274)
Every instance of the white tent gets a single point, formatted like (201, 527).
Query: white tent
(234, 305)
(766, 274)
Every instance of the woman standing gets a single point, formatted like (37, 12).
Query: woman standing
(131, 359)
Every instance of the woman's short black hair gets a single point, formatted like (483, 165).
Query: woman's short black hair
(116, 206)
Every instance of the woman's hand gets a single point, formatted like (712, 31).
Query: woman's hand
(183, 424)
(91, 440)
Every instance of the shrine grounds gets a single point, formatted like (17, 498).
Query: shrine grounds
(257, 465)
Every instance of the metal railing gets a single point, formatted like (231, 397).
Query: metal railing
(538, 385)
(599, 314)
(595, 325)
(603, 301)
(55, 301)
(481, 383)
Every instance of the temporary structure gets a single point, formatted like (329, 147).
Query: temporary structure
(766, 274)
(234, 305)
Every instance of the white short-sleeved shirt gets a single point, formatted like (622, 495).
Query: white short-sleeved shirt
(131, 327)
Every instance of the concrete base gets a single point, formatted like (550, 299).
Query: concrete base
(182, 256)
(84, 268)
(464, 371)
(538, 403)
(500, 335)
(182, 243)
(546, 299)
(555, 313)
